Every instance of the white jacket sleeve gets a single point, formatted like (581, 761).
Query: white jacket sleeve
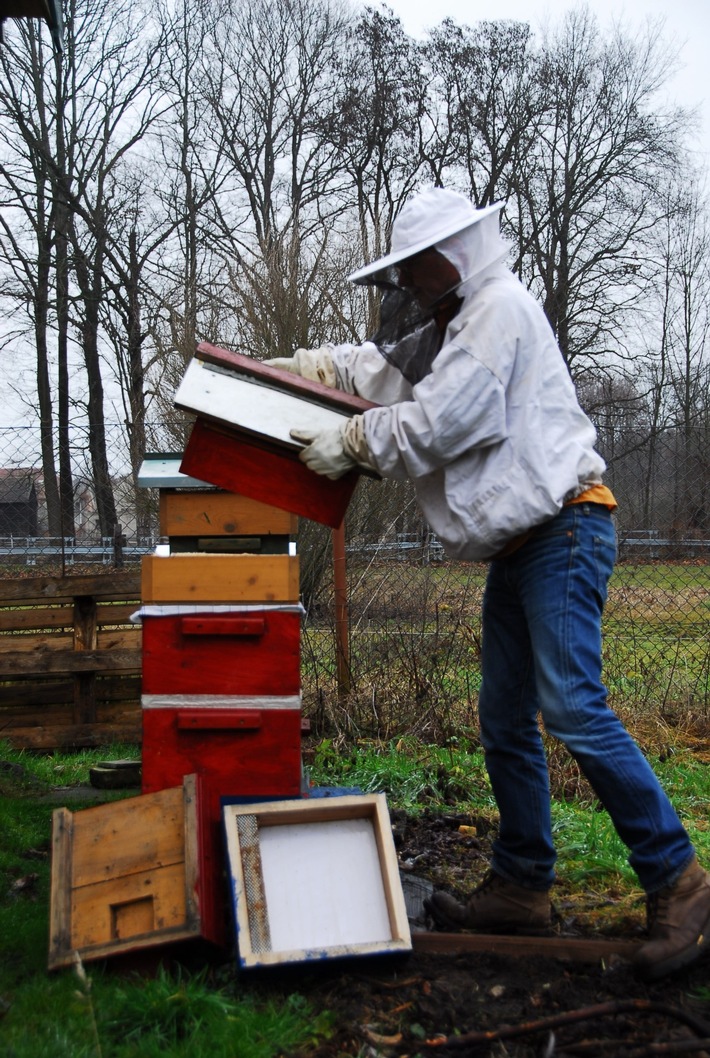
(363, 370)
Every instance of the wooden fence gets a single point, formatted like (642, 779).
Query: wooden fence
(70, 661)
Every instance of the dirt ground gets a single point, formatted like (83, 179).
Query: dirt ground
(499, 1005)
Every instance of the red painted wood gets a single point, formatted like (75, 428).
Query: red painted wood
(219, 719)
(279, 379)
(212, 625)
(229, 460)
(176, 661)
(261, 761)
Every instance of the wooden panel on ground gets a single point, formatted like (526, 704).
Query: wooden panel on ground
(187, 578)
(575, 949)
(127, 876)
(313, 880)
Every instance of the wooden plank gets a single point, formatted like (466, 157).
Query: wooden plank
(35, 617)
(85, 640)
(30, 692)
(76, 736)
(61, 887)
(109, 613)
(251, 468)
(120, 638)
(575, 949)
(188, 578)
(64, 589)
(69, 661)
(126, 840)
(35, 643)
(221, 514)
(44, 618)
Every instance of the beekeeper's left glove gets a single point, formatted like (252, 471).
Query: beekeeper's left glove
(314, 364)
(333, 452)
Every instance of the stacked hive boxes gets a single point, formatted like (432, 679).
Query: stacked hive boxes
(221, 693)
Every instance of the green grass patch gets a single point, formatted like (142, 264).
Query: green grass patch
(178, 1013)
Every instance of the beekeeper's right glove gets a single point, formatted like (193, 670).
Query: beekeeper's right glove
(314, 364)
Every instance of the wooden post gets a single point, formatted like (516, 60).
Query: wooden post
(342, 639)
(85, 638)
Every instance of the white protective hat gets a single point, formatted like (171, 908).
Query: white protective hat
(429, 218)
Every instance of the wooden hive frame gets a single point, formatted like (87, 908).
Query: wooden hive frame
(126, 875)
(313, 880)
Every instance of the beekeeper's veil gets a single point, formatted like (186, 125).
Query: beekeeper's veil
(468, 237)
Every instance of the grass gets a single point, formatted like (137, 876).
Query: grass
(407, 728)
(92, 1012)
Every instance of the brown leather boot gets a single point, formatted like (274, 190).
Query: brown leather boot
(495, 906)
(678, 924)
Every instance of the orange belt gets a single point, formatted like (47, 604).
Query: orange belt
(595, 494)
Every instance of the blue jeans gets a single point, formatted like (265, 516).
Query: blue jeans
(541, 653)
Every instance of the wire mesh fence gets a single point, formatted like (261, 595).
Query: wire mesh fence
(412, 648)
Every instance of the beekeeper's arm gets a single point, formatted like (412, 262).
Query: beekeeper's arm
(358, 369)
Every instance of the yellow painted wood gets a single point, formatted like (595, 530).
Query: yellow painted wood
(198, 578)
(125, 875)
(204, 513)
(128, 837)
(122, 907)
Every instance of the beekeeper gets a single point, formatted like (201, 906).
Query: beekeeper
(479, 411)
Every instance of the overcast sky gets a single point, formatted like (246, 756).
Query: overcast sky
(687, 27)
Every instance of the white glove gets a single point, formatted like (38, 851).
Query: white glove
(284, 363)
(313, 364)
(324, 452)
(334, 452)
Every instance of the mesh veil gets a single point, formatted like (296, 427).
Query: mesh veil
(407, 336)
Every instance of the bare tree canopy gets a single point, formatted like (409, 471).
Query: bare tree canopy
(214, 171)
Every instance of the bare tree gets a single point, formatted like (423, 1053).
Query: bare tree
(30, 249)
(268, 84)
(103, 99)
(587, 189)
(478, 122)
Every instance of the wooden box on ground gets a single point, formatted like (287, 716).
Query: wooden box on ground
(131, 875)
(313, 880)
(241, 440)
(237, 651)
(195, 578)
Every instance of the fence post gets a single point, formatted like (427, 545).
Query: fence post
(85, 638)
(342, 644)
(117, 546)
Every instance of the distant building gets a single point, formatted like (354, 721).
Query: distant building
(19, 502)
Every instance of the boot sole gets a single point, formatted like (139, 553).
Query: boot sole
(679, 960)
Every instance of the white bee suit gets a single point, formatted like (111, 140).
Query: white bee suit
(493, 437)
